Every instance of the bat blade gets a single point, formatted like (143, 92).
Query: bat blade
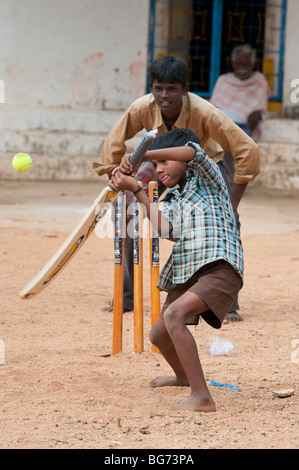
(71, 245)
(82, 231)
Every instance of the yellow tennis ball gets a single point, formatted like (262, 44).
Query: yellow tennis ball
(21, 162)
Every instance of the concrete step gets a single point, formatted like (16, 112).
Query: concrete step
(81, 120)
(63, 143)
(51, 143)
(279, 150)
(279, 166)
(280, 131)
(56, 167)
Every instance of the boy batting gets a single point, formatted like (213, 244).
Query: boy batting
(204, 273)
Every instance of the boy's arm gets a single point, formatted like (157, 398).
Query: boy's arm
(120, 182)
(191, 153)
(195, 157)
(185, 154)
(207, 168)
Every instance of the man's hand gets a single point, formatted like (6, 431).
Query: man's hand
(253, 119)
(125, 165)
(237, 194)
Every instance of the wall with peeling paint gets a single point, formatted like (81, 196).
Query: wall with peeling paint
(69, 68)
(73, 53)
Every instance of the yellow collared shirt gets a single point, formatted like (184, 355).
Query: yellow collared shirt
(216, 131)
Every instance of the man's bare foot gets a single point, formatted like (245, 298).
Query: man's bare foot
(194, 404)
(165, 381)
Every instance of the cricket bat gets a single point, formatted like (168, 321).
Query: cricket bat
(82, 231)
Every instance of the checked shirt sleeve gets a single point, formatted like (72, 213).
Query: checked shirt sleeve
(207, 168)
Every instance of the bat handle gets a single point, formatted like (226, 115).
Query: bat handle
(142, 148)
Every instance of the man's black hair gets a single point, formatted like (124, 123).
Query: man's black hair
(175, 138)
(169, 69)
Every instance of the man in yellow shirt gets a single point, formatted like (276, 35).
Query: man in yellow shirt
(170, 105)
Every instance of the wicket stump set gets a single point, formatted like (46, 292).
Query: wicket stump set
(119, 241)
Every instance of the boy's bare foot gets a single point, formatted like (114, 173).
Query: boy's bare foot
(193, 404)
(165, 381)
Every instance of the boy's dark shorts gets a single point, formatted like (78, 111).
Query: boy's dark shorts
(217, 284)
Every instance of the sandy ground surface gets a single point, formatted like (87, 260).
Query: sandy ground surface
(60, 386)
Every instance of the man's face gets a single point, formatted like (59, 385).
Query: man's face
(242, 66)
(168, 97)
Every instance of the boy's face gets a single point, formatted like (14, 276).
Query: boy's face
(169, 97)
(170, 172)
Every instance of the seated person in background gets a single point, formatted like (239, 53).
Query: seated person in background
(242, 95)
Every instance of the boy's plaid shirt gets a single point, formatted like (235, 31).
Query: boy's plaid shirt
(204, 226)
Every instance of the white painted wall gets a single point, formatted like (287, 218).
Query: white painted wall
(68, 68)
(73, 53)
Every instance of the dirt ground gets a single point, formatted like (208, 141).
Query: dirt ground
(60, 386)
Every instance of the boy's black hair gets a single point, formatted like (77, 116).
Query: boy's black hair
(175, 138)
(169, 69)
